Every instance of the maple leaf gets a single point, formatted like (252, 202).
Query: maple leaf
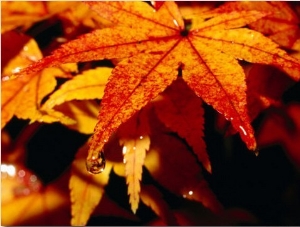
(23, 96)
(86, 189)
(281, 25)
(155, 45)
(134, 138)
(181, 110)
(88, 85)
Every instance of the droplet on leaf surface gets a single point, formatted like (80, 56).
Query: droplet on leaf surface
(96, 165)
(244, 131)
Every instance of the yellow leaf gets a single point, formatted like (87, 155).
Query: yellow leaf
(69, 67)
(86, 189)
(135, 141)
(83, 112)
(22, 96)
(14, 14)
(25, 13)
(32, 94)
(134, 155)
(89, 85)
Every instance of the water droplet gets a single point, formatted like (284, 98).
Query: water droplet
(96, 165)
(141, 137)
(191, 192)
(256, 152)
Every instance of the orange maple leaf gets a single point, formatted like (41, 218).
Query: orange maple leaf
(281, 25)
(157, 45)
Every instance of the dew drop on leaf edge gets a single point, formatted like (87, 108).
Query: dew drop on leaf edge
(96, 165)
(256, 152)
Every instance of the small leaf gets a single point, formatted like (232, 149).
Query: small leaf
(86, 189)
(133, 136)
(89, 85)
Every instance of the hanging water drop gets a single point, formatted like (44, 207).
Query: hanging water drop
(256, 152)
(96, 165)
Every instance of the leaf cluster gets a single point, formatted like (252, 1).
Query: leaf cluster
(144, 109)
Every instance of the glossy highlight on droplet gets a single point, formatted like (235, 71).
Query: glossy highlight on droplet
(256, 152)
(96, 165)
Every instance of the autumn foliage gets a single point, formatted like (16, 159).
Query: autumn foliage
(137, 80)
